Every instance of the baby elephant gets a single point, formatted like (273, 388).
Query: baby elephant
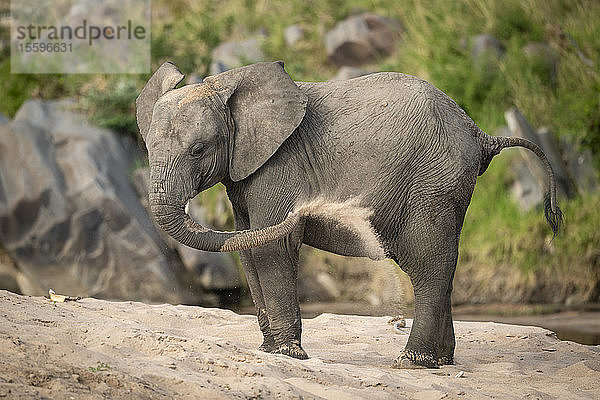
(381, 166)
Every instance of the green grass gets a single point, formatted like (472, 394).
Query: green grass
(114, 108)
(435, 46)
(518, 249)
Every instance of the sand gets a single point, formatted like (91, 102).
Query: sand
(95, 349)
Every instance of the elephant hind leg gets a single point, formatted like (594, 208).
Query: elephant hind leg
(428, 252)
(447, 340)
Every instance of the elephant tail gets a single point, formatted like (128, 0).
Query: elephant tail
(495, 144)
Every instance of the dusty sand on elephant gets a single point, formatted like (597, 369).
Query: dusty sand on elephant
(98, 349)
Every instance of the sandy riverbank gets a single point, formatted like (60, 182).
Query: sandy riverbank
(99, 349)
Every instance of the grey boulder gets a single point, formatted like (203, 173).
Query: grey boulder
(361, 39)
(69, 217)
(486, 44)
(486, 52)
(293, 34)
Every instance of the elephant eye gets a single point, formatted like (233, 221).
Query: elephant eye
(196, 149)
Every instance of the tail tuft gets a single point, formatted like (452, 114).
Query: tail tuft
(553, 214)
(554, 218)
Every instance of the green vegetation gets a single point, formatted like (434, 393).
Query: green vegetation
(100, 367)
(437, 47)
(507, 255)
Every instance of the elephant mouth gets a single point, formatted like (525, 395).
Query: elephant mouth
(202, 186)
(194, 193)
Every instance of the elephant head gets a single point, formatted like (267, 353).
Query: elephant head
(223, 128)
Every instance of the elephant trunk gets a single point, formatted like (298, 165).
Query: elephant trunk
(171, 216)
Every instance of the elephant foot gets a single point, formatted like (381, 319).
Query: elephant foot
(292, 349)
(446, 360)
(412, 360)
(268, 346)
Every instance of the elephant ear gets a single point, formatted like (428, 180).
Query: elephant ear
(266, 106)
(164, 79)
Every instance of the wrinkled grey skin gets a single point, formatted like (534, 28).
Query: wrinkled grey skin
(387, 149)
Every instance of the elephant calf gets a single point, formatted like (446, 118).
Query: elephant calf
(381, 166)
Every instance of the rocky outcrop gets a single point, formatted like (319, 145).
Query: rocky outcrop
(361, 39)
(69, 217)
(9, 275)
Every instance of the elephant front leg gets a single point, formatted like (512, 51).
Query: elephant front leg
(268, 344)
(277, 267)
